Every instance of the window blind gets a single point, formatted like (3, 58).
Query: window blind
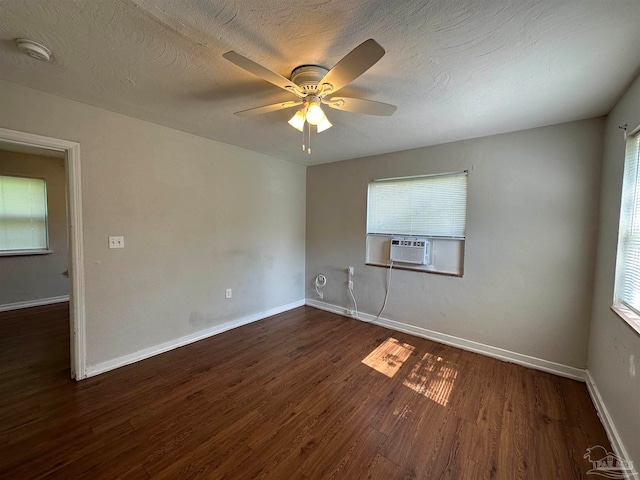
(23, 214)
(434, 205)
(628, 278)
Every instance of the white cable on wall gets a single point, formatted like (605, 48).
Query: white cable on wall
(386, 295)
(350, 271)
(355, 304)
(321, 281)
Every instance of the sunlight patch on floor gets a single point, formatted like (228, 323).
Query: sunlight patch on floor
(389, 356)
(433, 377)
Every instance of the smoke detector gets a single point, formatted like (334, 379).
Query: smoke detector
(34, 49)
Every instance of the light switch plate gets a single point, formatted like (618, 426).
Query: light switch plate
(116, 242)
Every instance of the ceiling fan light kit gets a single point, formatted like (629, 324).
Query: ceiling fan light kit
(313, 85)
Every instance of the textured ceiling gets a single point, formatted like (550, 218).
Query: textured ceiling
(455, 69)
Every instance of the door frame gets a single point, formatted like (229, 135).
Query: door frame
(74, 229)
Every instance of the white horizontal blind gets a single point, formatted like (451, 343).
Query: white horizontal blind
(23, 214)
(628, 278)
(433, 205)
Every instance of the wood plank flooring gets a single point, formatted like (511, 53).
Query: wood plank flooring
(302, 395)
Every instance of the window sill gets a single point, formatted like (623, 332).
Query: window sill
(628, 315)
(419, 268)
(16, 253)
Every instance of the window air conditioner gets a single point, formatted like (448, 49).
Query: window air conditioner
(410, 250)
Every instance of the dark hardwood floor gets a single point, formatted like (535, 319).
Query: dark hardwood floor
(301, 395)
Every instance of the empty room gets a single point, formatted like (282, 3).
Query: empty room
(319, 240)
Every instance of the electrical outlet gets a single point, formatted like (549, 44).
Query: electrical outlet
(227, 293)
(350, 285)
(116, 242)
(351, 270)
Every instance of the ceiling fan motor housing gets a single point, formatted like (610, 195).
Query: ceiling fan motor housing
(308, 76)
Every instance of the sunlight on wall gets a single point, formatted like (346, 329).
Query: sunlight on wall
(433, 377)
(389, 356)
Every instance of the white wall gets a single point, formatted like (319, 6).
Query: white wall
(614, 347)
(33, 277)
(529, 256)
(198, 216)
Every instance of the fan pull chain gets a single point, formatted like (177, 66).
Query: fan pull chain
(303, 148)
(309, 146)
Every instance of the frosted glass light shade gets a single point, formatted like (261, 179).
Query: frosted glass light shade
(297, 121)
(314, 113)
(325, 124)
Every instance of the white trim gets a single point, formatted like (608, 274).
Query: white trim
(187, 339)
(607, 421)
(33, 303)
(470, 345)
(628, 315)
(74, 219)
(78, 335)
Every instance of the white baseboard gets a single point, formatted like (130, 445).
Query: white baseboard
(33, 303)
(607, 421)
(488, 350)
(103, 367)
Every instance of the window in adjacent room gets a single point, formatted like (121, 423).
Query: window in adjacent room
(431, 206)
(627, 283)
(23, 216)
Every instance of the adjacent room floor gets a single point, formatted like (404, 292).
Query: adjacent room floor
(302, 395)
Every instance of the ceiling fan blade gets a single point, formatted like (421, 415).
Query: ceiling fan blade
(354, 64)
(358, 105)
(263, 72)
(267, 108)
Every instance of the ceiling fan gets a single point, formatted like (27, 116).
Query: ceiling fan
(315, 86)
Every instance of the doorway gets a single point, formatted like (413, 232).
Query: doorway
(71, 153)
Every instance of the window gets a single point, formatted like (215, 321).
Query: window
(419, 206)
(23, 215)
(433, 206)
(627, 286)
